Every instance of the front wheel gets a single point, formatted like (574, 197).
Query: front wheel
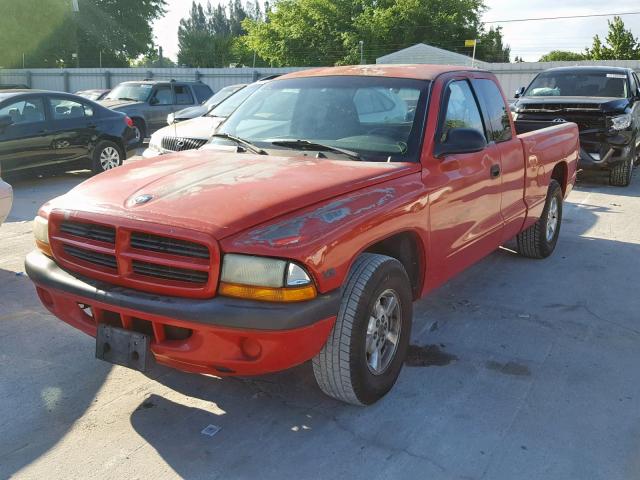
(366, 349)
(621, 174)
(540, 240)
(106, 156)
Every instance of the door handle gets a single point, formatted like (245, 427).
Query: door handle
(495, 171)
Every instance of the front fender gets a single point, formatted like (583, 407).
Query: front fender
(327, 237)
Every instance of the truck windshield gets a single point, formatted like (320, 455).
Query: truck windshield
(579, 84)
(377, 118)
(138, 92)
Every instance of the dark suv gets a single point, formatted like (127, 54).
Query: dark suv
(605, 104)
(148, 103)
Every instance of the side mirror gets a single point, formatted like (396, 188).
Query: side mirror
(461, 140)
(154, 101)
(519, 92)
(5, 121)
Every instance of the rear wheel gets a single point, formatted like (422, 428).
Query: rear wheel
(540, 240)
(107, 155)
(621, 174)
(366, 349)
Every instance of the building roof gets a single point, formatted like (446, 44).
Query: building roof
(423, 53)
(418, 72)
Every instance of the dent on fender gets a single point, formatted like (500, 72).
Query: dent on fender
(291, 230)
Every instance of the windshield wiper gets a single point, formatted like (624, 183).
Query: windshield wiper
(242, 142)
(309, 145)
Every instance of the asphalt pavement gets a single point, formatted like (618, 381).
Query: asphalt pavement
(520, 369)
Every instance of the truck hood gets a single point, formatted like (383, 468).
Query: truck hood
(561, 104)
(221, 193)
(201, 128)
(115, 104)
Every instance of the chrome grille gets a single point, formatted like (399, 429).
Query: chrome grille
(179, 144)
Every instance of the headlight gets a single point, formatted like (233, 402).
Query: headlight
(171, 118)
(154, 142)
(514, 115)
(265, 279)
(621, 122)
(41, 234)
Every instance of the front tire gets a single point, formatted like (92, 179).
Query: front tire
(107, 155)
(366, 349)
(540, 240)
(621, 174)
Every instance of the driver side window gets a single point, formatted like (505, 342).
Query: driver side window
(462, 109)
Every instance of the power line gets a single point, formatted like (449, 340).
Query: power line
(514, 20)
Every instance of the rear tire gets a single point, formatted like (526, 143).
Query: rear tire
(366, 349)
(540, 240)
(621, 174)
(107, 155)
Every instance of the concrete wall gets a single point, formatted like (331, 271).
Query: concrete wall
(72, 80)
(511, 75)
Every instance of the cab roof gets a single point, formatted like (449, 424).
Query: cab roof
(416, 72)
(589, 68)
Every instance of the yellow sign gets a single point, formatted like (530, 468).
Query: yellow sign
(470, 43)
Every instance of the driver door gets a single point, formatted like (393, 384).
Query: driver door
(465, 198)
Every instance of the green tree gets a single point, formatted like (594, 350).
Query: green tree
(562, 56)
(325, 32)
(491, 48)
(117, 30)
(211, 36)
(620, 44)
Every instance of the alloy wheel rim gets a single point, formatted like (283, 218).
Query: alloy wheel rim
(552, 219)
(383, 332)
(109, 158)
(138, 133)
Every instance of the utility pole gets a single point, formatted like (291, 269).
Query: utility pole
(23, 61)
(75, 10)
(361, 52)
(160, 57)
(474, 44)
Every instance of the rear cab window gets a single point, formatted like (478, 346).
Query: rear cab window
(494, 110)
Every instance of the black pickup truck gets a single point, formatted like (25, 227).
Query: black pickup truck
(603, 101)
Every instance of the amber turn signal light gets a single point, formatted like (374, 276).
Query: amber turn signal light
(265, 294)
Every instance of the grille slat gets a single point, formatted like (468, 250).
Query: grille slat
(155, 243)
(96, 258)
(180, 144)
(89, 231)
(170, 273)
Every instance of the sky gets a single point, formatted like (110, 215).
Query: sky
(529, 40)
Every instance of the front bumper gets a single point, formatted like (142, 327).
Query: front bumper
(600, 151)
(220, 336)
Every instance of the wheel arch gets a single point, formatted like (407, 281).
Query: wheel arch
(408, 248)
(560, 174)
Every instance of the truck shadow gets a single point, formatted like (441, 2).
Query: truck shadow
(272, 425)
(46, 382)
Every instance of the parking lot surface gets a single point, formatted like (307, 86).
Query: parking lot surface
(529, 371)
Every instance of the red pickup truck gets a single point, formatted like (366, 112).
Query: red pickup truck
(322, 208)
